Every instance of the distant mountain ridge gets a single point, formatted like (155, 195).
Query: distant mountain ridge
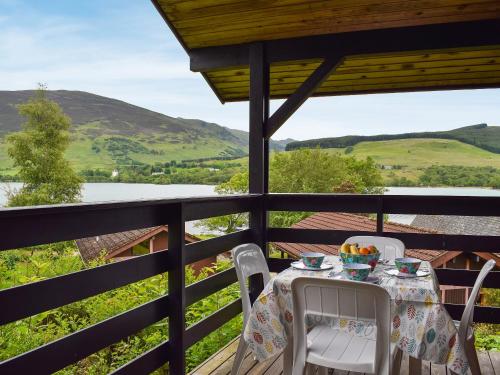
(480, 135)
(116, 117)
(107, 132)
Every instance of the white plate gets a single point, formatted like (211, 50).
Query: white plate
(301, 266)
(370, 279)
(395, 272)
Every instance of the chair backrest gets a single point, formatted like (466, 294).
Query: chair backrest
(249, 260)
(390, 248)
(343, 299)
(465, 328)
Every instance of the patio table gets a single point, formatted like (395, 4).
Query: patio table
(421, 326)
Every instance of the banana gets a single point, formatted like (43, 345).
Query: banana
(354, 249)
(345, 248)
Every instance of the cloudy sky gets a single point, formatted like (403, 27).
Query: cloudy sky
(123, 49)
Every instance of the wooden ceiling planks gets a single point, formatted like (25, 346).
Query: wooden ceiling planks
(361, 74)
(203, 23)
(218, 23)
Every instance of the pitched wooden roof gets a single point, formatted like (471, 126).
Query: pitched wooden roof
(347, 221)
(114, 243)
(210, 27)
(353, 222)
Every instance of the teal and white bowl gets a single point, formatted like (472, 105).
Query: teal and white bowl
(357, 271)
(408, 265)
(313, 260)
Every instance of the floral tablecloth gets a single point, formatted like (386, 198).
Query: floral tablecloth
(421, 326)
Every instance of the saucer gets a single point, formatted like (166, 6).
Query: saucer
(395, 272)
(301, 266)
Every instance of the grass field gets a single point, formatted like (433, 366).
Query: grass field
(406, 158)
(82, 152)
(413, 155)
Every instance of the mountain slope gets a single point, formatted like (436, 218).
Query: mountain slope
(108, 132)
(482, 136)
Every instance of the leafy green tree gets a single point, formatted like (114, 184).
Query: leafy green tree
(302, 171)
(38, 152)
(238, 184)
(318, 171)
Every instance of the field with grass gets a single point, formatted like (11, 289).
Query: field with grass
(409, 157)
(107, 152)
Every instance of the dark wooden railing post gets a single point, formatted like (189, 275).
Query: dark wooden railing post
(176, 291)
(380, 216)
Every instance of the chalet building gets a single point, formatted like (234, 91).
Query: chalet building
(438, 259)
(125, 245)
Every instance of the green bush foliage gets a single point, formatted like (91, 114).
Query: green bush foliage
(34, 264)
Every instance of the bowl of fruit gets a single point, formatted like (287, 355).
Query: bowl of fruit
(352, 253)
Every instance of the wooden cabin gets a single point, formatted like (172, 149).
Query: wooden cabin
(125, 245)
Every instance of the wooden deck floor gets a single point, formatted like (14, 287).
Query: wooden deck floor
(220, 364)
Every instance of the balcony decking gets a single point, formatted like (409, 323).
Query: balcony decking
(220, 364)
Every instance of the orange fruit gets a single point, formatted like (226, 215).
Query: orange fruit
(364, 251)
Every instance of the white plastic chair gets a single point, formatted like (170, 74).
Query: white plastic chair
(330, 347)
(465, 329)
(390, 248)
(248, 260)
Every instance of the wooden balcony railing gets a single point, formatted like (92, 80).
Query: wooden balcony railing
(41, 225)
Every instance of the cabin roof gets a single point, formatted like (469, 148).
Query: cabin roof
(469, 225)
(352, 222)
(391, 46)
(114, 243)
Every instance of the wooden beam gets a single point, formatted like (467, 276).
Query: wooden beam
(256, 118)
(259, 102)
(304, 91)
(401, 39)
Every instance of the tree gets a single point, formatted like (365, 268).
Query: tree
(238, 184)
(302, 171)
(38, 152)
(318, 171)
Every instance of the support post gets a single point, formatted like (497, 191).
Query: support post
(258, 149)
(176, 291)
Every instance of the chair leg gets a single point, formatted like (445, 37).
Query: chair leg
(239, 356)
(396, 362)
(470, 352)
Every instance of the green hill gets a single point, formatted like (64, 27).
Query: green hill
(482, 136)
(107, 133)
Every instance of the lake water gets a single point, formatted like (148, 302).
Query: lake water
(105, 192)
